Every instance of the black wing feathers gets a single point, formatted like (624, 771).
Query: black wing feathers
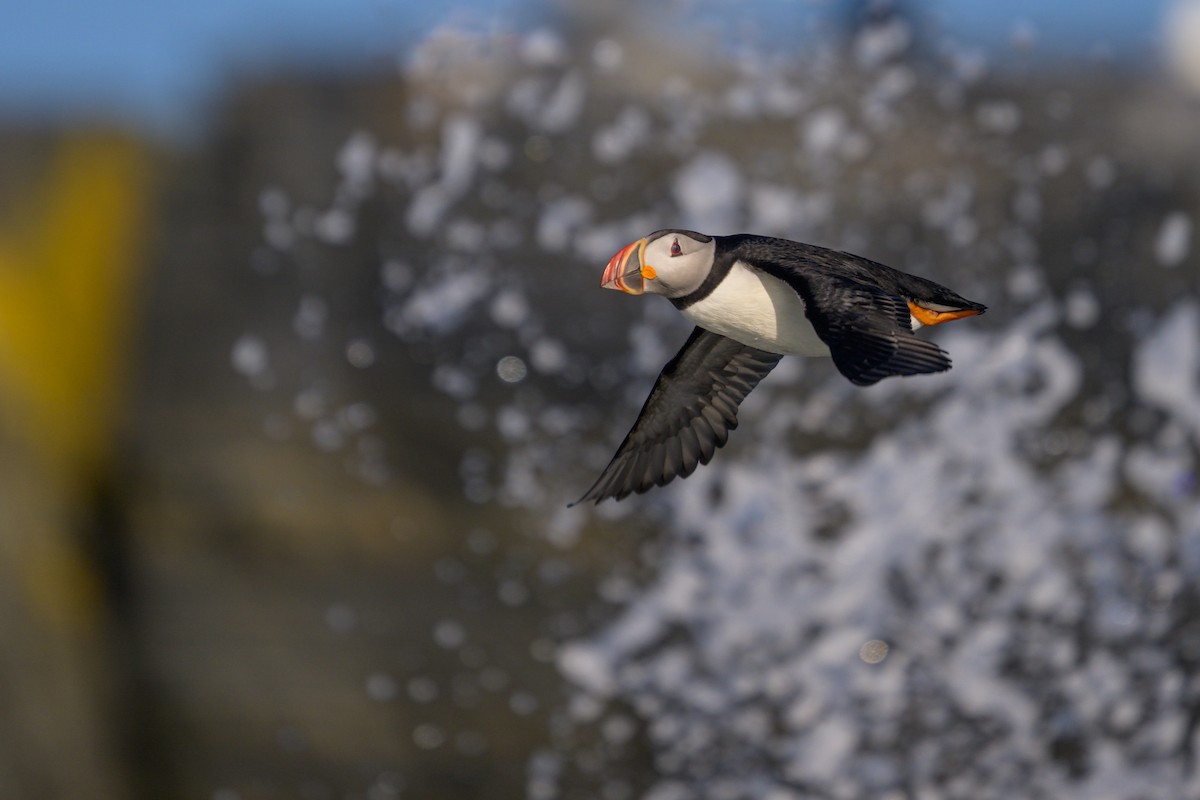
(857, 307)
(687, 416)
(868, 330)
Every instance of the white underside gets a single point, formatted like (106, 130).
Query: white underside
(756, 309)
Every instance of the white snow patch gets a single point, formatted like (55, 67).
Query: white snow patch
(1100, 173)
(547, 106)
(1174, 240)
(560, 220)
(250, 356)
(509, 308)
(1082, 308)
(588, 667)
(548, 356)
(824, 130)
(608, 54)
(882, 42)
(709, 193)
(564, 104)
(441, 305)
(1166, 366)
(1001, 117)
(781, 210)
(309, 320)
(356, 163)
(1181, 32)
(628, 132)
(928, 513)
(460, 138)
(543, 48)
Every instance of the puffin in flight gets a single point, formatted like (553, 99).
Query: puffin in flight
(753, 300)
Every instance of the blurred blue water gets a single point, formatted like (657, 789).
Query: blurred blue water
(154, 64)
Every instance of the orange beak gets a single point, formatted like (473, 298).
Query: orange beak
(625, 270)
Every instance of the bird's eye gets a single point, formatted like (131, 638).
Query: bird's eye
(676, 250)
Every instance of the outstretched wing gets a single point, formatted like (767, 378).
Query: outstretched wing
(687, 416)
(868, 329)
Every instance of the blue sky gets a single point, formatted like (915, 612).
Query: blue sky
(152, 62)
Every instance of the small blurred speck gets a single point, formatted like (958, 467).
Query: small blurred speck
(360, 353)
(250, 355)
(511, 369)
(873, 651)
(381, 688)
(608, 54)
(481, 542)
(471, 743)
(427, 736)
(341, 618)
(543, 650)
(422, 690)
(449, 634)
(522, 703)
(387, 786)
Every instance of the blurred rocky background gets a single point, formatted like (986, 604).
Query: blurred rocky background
(299, 368)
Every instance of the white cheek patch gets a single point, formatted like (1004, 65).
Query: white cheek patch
(680, 275)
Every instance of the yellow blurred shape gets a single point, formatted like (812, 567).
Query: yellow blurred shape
(66, 301)
(68, 260)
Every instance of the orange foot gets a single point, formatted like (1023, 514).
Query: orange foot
(927, 316)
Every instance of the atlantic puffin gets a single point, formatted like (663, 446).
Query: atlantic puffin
(753, 300)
